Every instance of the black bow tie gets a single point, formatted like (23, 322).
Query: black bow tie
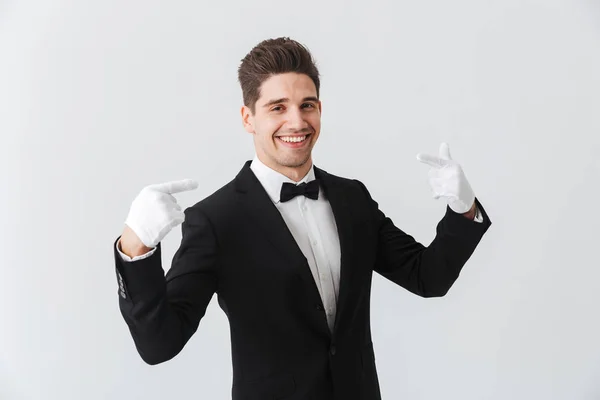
(291, 190)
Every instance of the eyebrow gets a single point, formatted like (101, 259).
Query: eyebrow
(285, 99)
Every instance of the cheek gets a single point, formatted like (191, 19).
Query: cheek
(270, 128)
(315, 122)
(314, 117)
(264, 130)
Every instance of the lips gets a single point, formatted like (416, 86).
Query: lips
(293, 144)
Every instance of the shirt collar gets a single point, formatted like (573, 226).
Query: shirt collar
(272, 180)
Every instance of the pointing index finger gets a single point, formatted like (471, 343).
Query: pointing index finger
(175, 186)
(434, 161)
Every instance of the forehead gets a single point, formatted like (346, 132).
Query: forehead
(290, 85)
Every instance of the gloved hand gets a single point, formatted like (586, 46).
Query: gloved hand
(154, 212)
(448, 180)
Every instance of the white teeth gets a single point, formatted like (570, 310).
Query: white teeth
(290, 139)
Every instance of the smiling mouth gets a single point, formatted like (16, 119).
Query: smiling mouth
(293, 139)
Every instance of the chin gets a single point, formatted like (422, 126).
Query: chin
(295, 162)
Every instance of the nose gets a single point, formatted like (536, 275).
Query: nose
(296, 120)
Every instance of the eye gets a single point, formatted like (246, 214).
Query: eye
(277, 108)
(309, 104)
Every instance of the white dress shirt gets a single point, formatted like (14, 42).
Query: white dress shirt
(312, 224)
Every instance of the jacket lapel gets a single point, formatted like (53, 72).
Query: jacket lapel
(258, 206)
(342, 211)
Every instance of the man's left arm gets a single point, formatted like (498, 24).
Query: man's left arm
(431, 271)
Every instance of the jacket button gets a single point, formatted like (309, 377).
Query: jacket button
(332, 350)
(320, 307)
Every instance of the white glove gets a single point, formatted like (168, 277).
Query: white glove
(448, 180)
(154, 212)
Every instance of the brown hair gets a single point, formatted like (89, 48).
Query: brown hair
(271, 57)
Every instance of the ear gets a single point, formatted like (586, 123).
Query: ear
(320, 107)
(247, 119)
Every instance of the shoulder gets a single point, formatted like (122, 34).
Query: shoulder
(352, 185)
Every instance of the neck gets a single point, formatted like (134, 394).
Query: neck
(293, 173)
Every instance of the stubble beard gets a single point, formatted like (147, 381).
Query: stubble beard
(294, 163)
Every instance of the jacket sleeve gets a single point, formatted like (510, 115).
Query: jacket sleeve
(163, 312)
(426, 271)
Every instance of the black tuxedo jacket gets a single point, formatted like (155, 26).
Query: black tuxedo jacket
(236, 244)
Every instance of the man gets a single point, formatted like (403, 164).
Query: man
(289, 249)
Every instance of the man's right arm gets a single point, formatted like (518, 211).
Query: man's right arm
(163, 312)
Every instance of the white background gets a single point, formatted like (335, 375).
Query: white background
(98, 99)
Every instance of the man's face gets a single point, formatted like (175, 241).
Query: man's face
(286, 122)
